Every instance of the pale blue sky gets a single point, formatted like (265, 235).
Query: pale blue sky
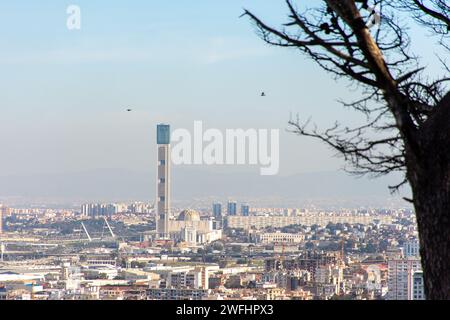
(64, 93)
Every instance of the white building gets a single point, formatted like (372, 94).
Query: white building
(400, 272)
(416, 286)
(260, 222)
(190, 235)
(281, 237)
(190, 228)
(330, 275)
(373, 282)
(197, 278)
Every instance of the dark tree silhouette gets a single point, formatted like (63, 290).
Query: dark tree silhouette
(408, 113)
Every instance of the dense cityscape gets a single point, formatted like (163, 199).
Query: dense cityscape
(227, 251)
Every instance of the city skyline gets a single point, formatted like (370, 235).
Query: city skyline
(253, 252)
(225, 151)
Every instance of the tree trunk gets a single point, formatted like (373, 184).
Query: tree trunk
(433, 219)
(429, 175)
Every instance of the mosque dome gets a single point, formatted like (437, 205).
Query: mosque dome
(189, 215)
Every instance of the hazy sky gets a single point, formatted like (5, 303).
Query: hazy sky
(64, 93)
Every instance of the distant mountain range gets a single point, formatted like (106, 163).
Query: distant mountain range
(187, 184)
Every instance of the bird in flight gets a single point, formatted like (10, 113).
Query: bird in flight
(129, 110)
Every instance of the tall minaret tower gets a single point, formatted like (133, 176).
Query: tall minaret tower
(163, 180)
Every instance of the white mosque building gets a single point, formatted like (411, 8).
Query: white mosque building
(190, 228)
